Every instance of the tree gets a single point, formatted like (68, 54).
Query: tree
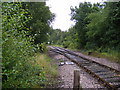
(16, 48)
(103, 30)
(41, 19)
(56, 36)
(80, 16)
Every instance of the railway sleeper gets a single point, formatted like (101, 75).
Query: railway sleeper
(85, 62)
(76, 60)
(117, 85)
(104, 73)
(114, 79)
(85, 65)
(96, 70)
(99, 71)
(80, 59)
(95, 66)
(107, 76)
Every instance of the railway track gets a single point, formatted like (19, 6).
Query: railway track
(107, 76)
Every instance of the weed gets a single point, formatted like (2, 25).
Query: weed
(48, 68)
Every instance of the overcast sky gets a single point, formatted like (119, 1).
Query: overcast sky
(61, 8)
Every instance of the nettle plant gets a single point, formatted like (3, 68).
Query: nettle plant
(18, 67)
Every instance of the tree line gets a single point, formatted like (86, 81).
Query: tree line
(96, 27)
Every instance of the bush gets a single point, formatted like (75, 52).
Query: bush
(19, 64)
(19, 70)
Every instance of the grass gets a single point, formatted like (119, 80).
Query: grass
(49, 69)
(57, 46)
(111, 55)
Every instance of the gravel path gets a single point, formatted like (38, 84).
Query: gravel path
(66, 74)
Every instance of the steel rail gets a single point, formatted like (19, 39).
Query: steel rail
(101, 80)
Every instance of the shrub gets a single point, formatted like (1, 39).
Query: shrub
(17, 50)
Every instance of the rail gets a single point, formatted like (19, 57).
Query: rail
(107, 76)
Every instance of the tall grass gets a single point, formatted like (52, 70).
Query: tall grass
(49, 69)
(113, 55)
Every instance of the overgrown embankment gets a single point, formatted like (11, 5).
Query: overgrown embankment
(48, 71)
(21, 66)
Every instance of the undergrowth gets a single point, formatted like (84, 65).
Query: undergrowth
(49, 69)
(109, 54)
(21, 67)
(112, 55)
(57, 46)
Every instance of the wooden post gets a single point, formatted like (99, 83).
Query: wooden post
(76, 83)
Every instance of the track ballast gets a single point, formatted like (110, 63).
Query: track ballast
(107, 76)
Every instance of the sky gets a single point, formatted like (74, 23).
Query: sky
(61, 8)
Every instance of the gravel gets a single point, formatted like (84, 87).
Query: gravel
(66, 74)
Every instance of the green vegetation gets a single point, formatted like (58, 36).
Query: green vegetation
(56, 36)
(21, 33)
(26, 32)
(41, 19)
(97, 29)
(49, 70)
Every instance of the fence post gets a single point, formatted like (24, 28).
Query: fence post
(76, 83)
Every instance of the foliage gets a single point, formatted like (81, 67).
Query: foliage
(80, 16)
(42, 48)
(41, 19)
(66, 39)
(56, 36)
(103, 32)
(97, 25)
(49, 68)
(96, 28)
(19, 67)
(70, 40)
(17, 70)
